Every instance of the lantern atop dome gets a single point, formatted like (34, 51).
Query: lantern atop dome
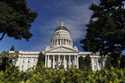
(62, 26)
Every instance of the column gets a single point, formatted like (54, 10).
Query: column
(77, 61)
(69, 61)
(92, 64)
(45, 61)
(48, 62)
(66, 42)
(62, 41)
(53, 61)
(97, 63)
(57, 42)
(74, 61)
(59, 60)
(64, 62)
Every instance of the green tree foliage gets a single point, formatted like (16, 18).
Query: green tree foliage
(13, 75)
(7, 59)
(4, 60)
(85, 63)
(41, 59)
(15, 19)
(106, 30)
(41, 62)
(40, 74)
(123, 62)
(12, 48)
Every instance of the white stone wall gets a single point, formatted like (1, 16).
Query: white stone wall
(27, 60)
(95, 63)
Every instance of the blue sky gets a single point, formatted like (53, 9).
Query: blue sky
(74, 13)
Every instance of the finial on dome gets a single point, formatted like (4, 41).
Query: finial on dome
(61, 26)
(61, 23)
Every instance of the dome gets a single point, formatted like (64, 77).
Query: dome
(61, 37)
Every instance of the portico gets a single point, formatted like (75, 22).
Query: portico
(61, 60)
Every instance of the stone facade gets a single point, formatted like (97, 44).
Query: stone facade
(27, 60)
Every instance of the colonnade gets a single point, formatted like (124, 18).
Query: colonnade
(61, 42)
(65, 61)
(95, 63)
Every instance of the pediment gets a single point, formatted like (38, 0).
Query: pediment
(61, 49)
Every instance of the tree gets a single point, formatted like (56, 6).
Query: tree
(123, 62)
(12, 48)
(85, 62)
(106, 30)
(4, 60)
(81, 62)
(40, 62)
(7, 59)
(15, 19)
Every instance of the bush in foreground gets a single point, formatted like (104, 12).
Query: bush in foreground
(44, 75)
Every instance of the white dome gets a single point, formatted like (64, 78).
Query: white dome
(61, 37)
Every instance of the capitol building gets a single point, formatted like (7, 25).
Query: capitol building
(60, 53)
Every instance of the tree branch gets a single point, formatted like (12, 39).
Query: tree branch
(2, 36)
